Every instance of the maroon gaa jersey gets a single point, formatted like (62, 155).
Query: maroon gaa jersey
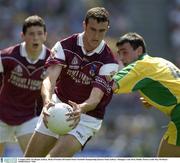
(82, 71)
(20, 97)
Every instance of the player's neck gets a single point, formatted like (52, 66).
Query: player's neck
(33, 54)
(87, 47)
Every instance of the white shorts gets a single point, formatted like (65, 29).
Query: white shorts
(86, 128)
(10, 133)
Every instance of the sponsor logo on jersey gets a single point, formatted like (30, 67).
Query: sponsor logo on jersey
(17, 79)
(74, 63)
(18, 70)
(79, 77)
(92, 70)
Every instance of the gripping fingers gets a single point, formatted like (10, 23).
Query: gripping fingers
(74, 117)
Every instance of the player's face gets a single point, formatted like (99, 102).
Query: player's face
(94, 33)
(127, 54)
(34, 38)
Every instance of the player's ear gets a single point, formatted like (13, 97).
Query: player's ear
(139, 50)
(84, 25)
(22, 35)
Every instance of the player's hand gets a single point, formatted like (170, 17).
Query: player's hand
(75, 115)
(46, 113)
(145, 103)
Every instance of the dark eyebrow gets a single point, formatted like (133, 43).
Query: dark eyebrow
(101, 30)
(122, 49)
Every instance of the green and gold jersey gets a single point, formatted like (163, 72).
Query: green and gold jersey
(157, 79)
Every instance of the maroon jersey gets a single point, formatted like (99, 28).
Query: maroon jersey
(82, 71)
(20, 97)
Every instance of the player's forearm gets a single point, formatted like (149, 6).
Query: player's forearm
(88, 106)
(49, 83)
(47, 90)
(93, 100)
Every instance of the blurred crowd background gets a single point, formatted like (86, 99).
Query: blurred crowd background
(129, 129)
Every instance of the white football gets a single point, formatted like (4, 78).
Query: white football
(57, 120)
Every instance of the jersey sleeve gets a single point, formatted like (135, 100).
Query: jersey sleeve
(104, 78)
(57, 57)
(109, 69)
(126, 79)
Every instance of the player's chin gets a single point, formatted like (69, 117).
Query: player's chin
(95, 44)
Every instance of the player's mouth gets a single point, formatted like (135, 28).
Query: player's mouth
(95, 41)
(35, 45)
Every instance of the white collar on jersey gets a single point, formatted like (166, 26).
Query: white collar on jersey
(23, 53)
(97, 50)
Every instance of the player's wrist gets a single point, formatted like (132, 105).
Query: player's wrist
(47, 102)
(80, 108)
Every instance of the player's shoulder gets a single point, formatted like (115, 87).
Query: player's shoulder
(107, 55)
(11, 50)
(107, 49)
(69, 39)
(147, 64)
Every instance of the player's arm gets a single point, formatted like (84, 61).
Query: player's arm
(53, 72)
(49, 83)
(48, 87)
(88, 105)
(126, 79)
(93, 100)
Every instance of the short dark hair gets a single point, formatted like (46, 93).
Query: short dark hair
(98, 13)
(33, 20)
(134, 39)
